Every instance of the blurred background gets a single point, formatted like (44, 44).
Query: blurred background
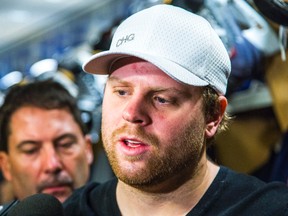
(52, 38)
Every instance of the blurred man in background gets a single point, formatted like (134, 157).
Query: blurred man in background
(45, 147)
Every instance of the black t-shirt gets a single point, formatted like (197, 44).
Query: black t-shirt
(230, 194)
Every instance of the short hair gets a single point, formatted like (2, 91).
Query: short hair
(47, 94)
(211, 108)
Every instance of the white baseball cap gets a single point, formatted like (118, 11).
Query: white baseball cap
(180, 43)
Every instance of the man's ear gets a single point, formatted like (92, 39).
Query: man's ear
(213, 123)
(89, 149)
(5, 165)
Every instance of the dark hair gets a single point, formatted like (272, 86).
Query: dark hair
(45, 94)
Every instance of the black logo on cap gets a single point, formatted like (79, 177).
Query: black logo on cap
(125, 39)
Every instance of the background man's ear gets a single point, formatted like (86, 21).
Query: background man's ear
(5, 166)
(89, 149)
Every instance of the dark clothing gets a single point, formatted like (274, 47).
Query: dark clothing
(230, 194)
(275, 169)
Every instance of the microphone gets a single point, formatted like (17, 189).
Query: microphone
(4, 209)
(37, 205)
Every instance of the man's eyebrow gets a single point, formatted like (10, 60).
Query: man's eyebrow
(112, 79)
(157, 89)
(66, 136)
(35, 142)
(173, 90)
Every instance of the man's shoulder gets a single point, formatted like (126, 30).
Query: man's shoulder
(235, 193)
(247, 185)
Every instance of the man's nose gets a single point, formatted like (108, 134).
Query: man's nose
(136, 111)
(52, 161)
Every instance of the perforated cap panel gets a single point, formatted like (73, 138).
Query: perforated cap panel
(180, 43)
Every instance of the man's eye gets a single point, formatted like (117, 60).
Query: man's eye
(66, 144)
(161, 100)
(30, 151)
(121, 92)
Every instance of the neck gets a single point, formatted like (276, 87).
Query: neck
(134, 201)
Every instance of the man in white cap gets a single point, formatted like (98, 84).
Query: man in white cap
(163, 104)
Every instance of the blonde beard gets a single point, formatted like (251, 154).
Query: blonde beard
(184, 154)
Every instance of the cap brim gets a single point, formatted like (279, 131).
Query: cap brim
(100, 63)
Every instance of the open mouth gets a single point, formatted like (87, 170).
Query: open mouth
(133, 143)
(133, 147)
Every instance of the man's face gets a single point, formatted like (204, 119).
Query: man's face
(47, 153)
(153, 127)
